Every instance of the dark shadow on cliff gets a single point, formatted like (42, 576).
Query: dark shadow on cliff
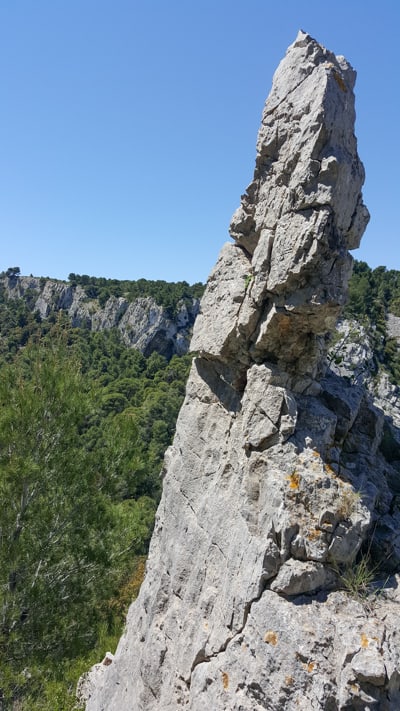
(219, 377)
(359, 445)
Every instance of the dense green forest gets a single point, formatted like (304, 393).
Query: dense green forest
(373, 293)
(84, 423)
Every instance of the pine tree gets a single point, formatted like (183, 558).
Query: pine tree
(56, 520)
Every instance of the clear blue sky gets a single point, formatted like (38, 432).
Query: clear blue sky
(128, 128)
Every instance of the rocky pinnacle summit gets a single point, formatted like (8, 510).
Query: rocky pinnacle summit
(276, 481)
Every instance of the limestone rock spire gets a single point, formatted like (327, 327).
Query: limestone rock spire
(299, 216)
(261, 505)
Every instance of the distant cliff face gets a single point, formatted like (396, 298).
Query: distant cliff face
(281, 489)
(143, 323)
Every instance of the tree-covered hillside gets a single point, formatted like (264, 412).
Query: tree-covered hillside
(165, 293)
(373, 294)
(84, 423)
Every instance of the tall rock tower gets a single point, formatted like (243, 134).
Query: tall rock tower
(273, 480)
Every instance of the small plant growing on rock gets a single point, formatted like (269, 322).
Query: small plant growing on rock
(361, 579)
(357, 578)
(348, 501)
(247, 281)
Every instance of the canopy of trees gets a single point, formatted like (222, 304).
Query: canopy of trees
(165, 293)
(84, 423)
(372, 294)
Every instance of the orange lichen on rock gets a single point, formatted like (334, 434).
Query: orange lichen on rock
(329, 470)
(364, 640)
(294, 480)
(314, 534)
(271, 637)
(340, 81)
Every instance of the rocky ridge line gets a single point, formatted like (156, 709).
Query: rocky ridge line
(143, 323)
(277, 478)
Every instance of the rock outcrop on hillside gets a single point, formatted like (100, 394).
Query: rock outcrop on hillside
(277, 482)
(143, 323)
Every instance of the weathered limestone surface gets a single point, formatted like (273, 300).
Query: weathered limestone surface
(276, 478)
(393, 327)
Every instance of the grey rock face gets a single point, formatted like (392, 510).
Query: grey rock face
(93, 679)
(276, 478)
(393, 327)
(143, 324)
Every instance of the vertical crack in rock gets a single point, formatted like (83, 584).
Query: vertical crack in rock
(276, 474)
(201, 658)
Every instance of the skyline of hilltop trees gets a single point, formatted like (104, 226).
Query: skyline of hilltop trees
(166, 294)
(84, 423)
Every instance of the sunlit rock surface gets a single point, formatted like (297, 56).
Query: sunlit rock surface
(276, 479)
(142, 323)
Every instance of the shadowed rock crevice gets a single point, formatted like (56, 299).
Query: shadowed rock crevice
(202, 658)
(276, 479)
